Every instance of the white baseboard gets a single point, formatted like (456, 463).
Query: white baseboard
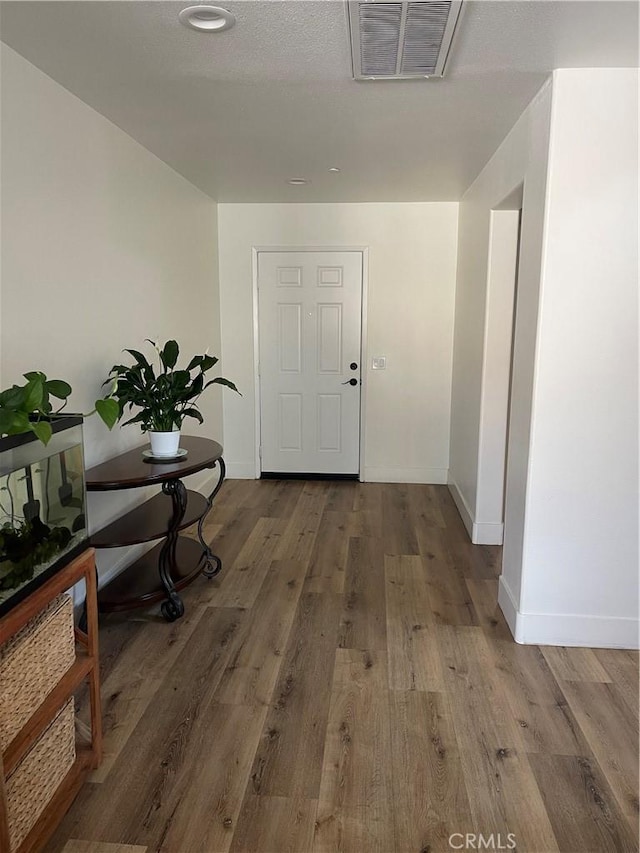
(480, 532)
(241, 471)
(428, 476)
(508, 604)
(487, 533)
(568, 629)
(463, 508)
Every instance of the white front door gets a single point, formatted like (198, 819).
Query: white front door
(310, 319)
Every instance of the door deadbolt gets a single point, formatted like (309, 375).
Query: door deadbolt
(353, 365)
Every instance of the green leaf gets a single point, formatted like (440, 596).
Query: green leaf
(192, 412)
(139, 357)
(169, 354)
(43, 430)
(208, 361)
(181, 378)
(6, 421)
(14, 397)
(19, 423)
(58, 388)
(197, 385)
(35, 374)
(195, 361)
(220, 380)
(34, 395)
(109, 411)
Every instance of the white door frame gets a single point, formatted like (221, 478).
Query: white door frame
(364, 251)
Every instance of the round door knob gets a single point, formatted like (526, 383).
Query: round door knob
(353, 365)
(353, 381)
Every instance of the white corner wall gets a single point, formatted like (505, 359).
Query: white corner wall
(580, 564)
(410, 304)
(482, 332)
(103, 245)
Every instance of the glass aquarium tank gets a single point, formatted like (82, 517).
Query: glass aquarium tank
(43, 521)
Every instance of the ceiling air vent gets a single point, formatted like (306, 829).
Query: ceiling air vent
(398, 41)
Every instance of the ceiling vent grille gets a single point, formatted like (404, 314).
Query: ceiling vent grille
(398, 41)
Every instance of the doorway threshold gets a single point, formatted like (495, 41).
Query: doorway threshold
(287, 475)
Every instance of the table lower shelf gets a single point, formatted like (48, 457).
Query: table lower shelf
(140, 584)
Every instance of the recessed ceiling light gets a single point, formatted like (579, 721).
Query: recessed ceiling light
(333, 169)
(298, 182)
(207, 19)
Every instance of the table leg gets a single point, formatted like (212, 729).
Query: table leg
(213, 564)
(172, 608)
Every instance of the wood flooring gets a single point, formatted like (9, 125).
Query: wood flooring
(348, 683)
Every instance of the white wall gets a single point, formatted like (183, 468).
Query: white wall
(103, 245)
(570, 560)
(580, 563)
(483, 329)
(412, 262)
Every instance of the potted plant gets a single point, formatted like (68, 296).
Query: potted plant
(28, 407)
(163, 398)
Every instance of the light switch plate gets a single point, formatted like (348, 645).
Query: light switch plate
(379, 362)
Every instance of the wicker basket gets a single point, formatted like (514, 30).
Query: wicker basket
(31, 664)
(38, 776)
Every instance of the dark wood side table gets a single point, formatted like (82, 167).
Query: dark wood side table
(176, 561)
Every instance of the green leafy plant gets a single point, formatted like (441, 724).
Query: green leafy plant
(25, 547)
(27, 407)
(164, 398)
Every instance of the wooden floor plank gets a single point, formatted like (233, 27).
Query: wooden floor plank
(276, 498)
(289, 757)
(204, 803)
(252, 671)
(575, 664)
(363, 623)
(328, 560)
(504, 797)
(355, 802)
(240, 584)
(484, 594)
(623, 667)
(584, 813)
(299, 538)
(341, 496)
(612, 733)
(451, 601)
(398, 530)
(275, 825)
(413, 648)
(483, 716)
(425, 507)
(228, 541)
(546, 722)
(426, 761)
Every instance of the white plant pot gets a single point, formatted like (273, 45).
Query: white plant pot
(164, 445)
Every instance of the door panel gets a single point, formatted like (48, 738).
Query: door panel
(310, 317)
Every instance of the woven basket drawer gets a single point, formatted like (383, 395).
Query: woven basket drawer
(38, 776)
(31, 664)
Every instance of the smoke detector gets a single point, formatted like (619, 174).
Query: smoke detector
(400, 41)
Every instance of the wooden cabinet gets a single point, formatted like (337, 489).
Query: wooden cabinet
(53, 715)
